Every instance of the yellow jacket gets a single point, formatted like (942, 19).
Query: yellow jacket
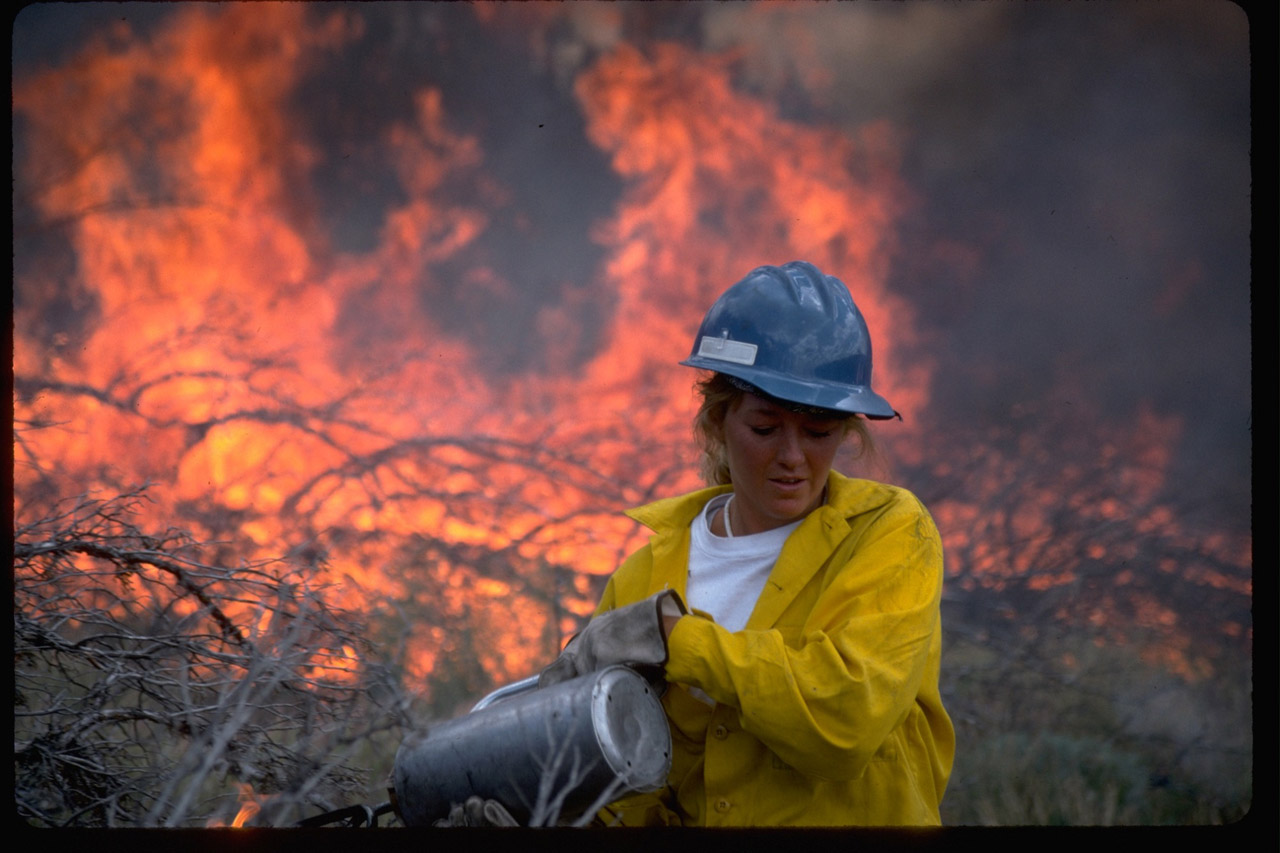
(827, 708)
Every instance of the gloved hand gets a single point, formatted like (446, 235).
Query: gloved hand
(631, 635)
(477, 811)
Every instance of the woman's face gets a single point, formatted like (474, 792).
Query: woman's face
(779, 461)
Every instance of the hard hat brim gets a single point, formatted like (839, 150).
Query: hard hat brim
(837, 396)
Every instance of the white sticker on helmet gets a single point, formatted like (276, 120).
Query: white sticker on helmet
(723, 349)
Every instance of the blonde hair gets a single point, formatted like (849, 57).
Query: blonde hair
(719, 393)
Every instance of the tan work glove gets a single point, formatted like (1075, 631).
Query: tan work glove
(477, 811)
(631, 635)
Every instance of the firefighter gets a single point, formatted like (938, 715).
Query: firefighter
(792, 612)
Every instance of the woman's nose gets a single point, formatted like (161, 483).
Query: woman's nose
(789, 451)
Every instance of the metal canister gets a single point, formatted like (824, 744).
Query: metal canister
(548, 754)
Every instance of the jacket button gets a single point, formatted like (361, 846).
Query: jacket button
(720, 732)
(722, 806)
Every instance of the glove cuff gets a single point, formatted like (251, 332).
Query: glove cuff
(670, 604)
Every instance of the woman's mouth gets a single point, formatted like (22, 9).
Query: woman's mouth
(787, 483)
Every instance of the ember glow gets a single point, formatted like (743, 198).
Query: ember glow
(335, 305)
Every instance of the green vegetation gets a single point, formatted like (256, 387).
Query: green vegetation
(1064, 732)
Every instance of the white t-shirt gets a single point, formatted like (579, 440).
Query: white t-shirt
(726, 574)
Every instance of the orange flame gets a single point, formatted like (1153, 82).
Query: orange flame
(287, 395)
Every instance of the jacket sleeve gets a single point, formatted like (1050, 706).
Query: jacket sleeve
(824, 688)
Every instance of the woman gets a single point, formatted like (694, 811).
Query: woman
(792, 611)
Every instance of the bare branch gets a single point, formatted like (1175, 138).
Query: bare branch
(148, 680)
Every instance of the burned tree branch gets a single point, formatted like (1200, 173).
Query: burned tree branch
(139, 709)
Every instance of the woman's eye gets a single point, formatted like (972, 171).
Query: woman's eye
(820, 433)
(762, 430)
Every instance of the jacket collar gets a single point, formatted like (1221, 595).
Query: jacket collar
(805, 551)
(846, 497)
(674, 513)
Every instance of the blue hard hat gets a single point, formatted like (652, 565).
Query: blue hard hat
(796, 334)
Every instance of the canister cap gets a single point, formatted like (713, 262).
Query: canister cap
(631, 728)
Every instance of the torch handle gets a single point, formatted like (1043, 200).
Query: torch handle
(509, 690)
